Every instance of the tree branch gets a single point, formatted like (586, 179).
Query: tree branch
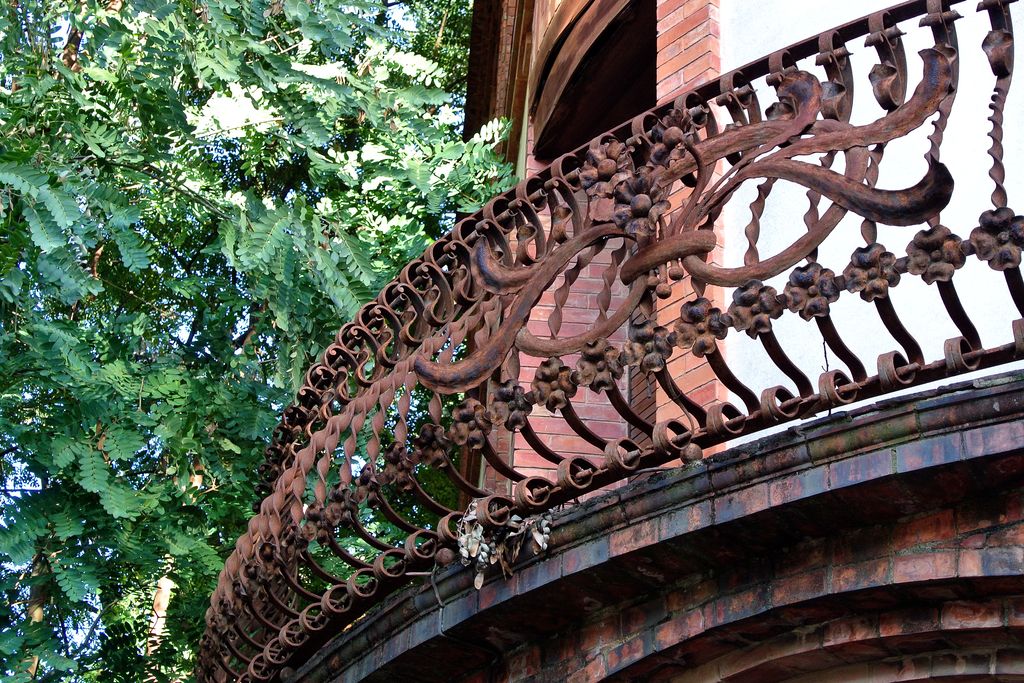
(241, 341)
(157, 176)
(69, 55)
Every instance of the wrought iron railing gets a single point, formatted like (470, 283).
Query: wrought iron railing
(346, 461)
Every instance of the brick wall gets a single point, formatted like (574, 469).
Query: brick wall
(578, 314)
(688, 45)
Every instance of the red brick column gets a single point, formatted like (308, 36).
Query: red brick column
(687, 55)
(688, 45)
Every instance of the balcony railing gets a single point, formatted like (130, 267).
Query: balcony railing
(428, 373)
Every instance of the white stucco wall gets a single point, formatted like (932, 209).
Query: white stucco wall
(752, 28)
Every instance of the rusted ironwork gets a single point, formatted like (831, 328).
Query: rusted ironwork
(429, 373)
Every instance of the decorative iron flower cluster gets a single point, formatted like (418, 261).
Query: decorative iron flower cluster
(315, 527)
(935, 254)
(367, 485)
(433, 445)
(649, 346)
(553, 385)
(699, 325)
(398, 467)
(512, 405)
(603, 164)
(599, 366)
(872, 271)
(754, 306)
(669, 140)
(639, 203)
(810, 290)
(999, 239)
(471, 423)
(341, 506)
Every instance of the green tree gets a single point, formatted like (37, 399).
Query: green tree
(193, 197)
(441, 29)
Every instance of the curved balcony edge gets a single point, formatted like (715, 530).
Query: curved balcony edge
(821, 480)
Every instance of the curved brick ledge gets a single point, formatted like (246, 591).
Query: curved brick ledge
(908, 508)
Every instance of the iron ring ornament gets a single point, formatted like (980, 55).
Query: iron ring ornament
(429, 374)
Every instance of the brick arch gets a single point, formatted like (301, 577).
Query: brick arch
(921, 636)
(959, 640)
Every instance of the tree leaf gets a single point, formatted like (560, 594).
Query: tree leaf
(46, 233)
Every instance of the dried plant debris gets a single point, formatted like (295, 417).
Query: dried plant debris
(482, 546)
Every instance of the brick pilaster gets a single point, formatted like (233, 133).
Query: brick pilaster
(687, 40)
(688, 45)
(688, 56)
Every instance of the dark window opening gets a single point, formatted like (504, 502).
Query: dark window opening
(615, 80)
